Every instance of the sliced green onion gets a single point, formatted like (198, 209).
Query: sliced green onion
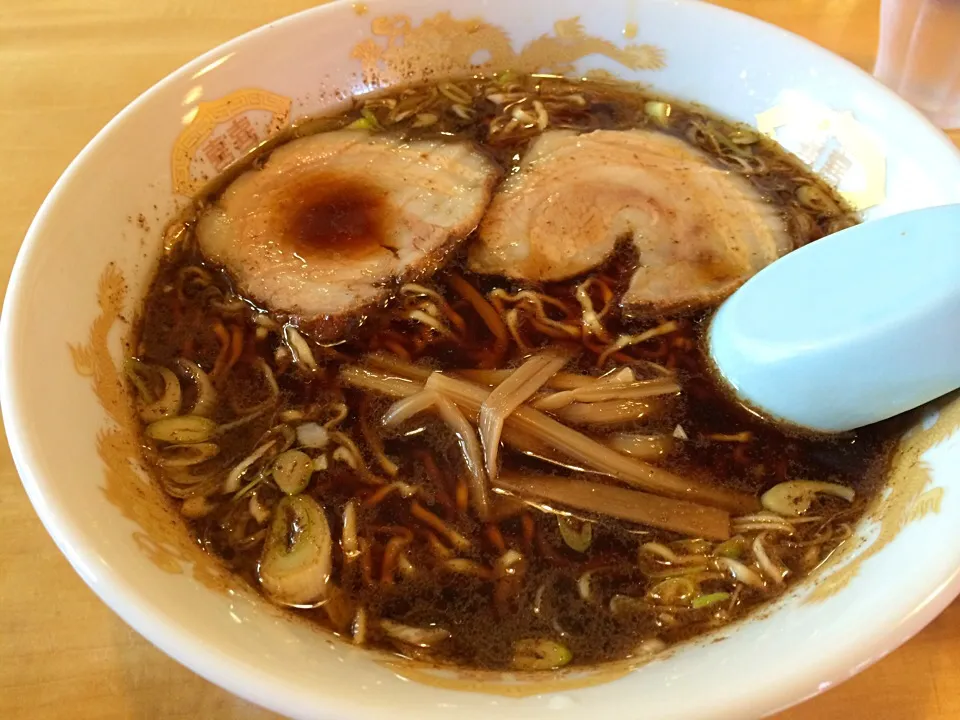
(298, 346)
(744, 136)
(576, 535)
(184, 429)
(369, 115)
(424, 120)
(360, 124)
(542, 654)
(196, 507)
(740, 572)
(366, 121)
(627, 605)
(732, 548)
(312, 435)
(675, 590)
(813, 198)
(455, 93)
(136, 372)
(694, 545)
(510, 563)
(187, 455)
(206, 400)
(292, 470)
(169, 403)
(794, 497)
(153, 407)
(421, 637)
(298, 552)
(257, 509)
(232, 482)
(702, 601)
(658, 111)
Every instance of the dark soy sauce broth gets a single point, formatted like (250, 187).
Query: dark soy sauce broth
(609, 600)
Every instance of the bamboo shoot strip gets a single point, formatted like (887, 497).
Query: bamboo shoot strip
(572, 444)
(592, 454)
(677, 516)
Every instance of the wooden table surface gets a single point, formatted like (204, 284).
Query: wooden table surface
(66, 67)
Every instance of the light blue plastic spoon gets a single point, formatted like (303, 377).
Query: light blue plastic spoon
(855, 328)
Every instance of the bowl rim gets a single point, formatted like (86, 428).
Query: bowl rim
(246, 680)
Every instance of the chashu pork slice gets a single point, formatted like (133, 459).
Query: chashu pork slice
(325, 226)
(698, 231)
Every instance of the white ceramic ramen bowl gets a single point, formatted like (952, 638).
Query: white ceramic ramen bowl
(94, 242)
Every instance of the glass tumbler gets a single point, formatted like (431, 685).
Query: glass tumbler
(919, 55)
